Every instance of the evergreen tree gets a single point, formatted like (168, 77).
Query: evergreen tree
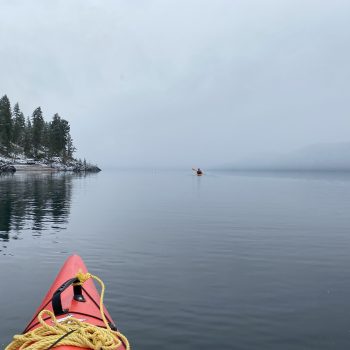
(37, 137)
(18, 126)
(27, 142)
(5, 123)
(59, 133)
(37, 130)
(70, 147)
(46, 139)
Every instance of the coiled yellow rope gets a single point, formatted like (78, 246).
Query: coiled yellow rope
(70, 332)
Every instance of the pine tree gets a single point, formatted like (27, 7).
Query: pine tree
(59, 133)
(37, 130)
(27, 142)
(70, 147)
(18, 126)
(37, 137)
(45, 141)
(55, 135)
(5, 124)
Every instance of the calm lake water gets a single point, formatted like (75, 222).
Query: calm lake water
(223, 261)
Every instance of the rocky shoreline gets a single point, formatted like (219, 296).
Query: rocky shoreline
(8, 165)
(7, 168)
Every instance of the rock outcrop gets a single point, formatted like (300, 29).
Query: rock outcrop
(6, 168)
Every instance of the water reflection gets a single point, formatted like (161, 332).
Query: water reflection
(34, 202)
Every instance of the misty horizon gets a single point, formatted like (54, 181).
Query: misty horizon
(179, 84)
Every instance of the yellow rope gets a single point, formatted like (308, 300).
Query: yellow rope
(82, 335)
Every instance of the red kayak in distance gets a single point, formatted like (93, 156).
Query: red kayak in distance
(65, 299)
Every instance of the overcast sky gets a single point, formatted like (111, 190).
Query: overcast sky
(181, 83)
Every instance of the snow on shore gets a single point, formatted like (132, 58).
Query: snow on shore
(21, 163)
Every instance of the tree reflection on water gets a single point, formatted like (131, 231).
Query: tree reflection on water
(34, 202)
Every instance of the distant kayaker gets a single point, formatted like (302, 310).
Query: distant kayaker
(198, 171)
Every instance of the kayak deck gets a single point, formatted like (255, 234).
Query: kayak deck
(87, 309)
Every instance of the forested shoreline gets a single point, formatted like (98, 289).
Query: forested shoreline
(33, 136)
(46, 142)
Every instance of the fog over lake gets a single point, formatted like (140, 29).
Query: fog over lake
(181, 83)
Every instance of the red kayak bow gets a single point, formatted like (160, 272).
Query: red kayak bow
(67, 299)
